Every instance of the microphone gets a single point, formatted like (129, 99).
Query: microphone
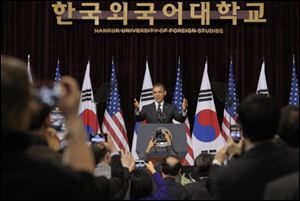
(161, 116)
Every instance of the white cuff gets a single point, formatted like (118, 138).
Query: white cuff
(216, 162)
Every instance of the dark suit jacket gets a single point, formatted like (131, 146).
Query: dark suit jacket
(117, 185)
(23, 178)
(285, 188)
(247, 177)
(176, 191)
(169, 113)
(197, 190)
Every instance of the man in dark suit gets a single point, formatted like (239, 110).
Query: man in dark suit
(263, 159)
(160, 111)
(170, 168)
(285, 188)
(197, 190)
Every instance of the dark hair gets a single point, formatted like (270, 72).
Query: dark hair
(202, 165)
(39, 117)
(259, 117)
(15, 91)
(170, 169)
(159, 85)
(99, 152)
(141, 184)
(289, 125)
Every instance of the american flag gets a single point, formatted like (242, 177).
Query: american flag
(294, 93)
(177, 100)
(231, 105)
(57, 120)
(113, 121)
(57, 73)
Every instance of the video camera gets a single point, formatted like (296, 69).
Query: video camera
(159, 136)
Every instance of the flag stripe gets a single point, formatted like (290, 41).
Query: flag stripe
(107, 128)
(111, 128)
(147, 90)
(117, 118)
(205, 99)
(205, 90)
(147, 99)
(146, 94)
(204, 95)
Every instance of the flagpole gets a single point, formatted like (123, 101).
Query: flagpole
(293, 58)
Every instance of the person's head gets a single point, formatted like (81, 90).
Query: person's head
(259, 117)
(101, 154)
(16, 95)
(170, 166)
(202, 165)
(141, 184)
(159, 92)
(289, 125)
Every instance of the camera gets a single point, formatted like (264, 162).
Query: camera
(159, 136)
(140, 164)
(102, 137)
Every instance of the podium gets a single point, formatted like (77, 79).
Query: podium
(146, 131)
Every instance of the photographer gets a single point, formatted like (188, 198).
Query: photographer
(45, 144)
(120, 167)
(142, 185)
(161, 136)
(262, 159)
(170, 168)
(24, 178)
(102, 158)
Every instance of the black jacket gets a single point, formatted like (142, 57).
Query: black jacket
(23, 178)
(176, 191)
(247, 177)
(169, 113)
(285, 188)
(197, 190)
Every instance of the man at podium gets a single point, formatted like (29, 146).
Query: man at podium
(159, 111)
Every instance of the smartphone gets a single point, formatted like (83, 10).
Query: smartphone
(102, 137)
(140, 164)
(235, 133)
